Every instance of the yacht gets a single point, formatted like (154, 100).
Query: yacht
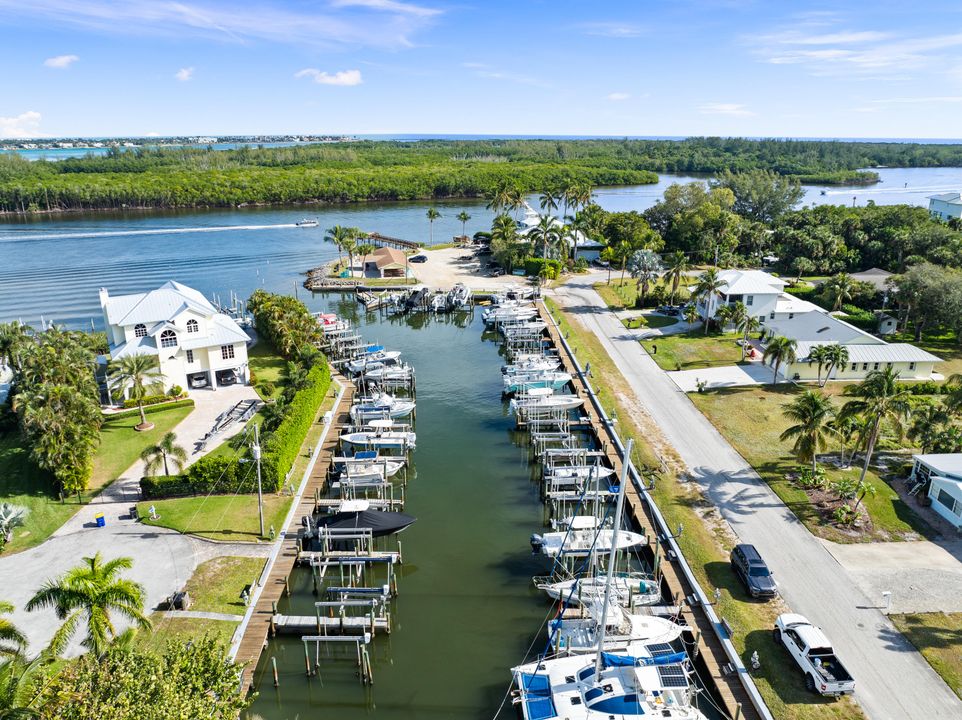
(306, 222)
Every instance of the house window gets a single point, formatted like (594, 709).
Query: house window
(854, 367)
(771, 315)
(949, 502)
(227, 352)
(168, 338)
(192, 326)
(875, 367)
(888, 365)
(749, 300)
(864, 366)
(190, 356)
(140, 330)
(761, 318)
(911, 366)
(791, 315)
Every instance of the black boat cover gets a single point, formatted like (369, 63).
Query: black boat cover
(380, 522)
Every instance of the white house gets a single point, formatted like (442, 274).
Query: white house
(945, 206)
(582, 245)
(809, 325)
(196, 345)
(943, 473)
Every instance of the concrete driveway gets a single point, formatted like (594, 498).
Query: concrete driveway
(894, 682)
(163, 559)
(724, 376)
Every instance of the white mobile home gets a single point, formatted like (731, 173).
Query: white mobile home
(943, 473)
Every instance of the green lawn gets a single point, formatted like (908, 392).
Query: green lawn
(938, 636)
(216, 585)
(687, 351)
(182, 628)
(220, 517)
(945, 346)
(266, 365)
(751, 420)
(121, 445)
(23, 483)
(706, 547)
(649, 321)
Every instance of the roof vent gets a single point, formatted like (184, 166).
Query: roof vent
(821, 330)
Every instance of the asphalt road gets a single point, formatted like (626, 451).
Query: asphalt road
(893, 681)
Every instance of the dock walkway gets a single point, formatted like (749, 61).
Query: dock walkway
(276, 585)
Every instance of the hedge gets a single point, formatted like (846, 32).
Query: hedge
(149, 400)
(533, 265)
(282, 446)
(159, 407)
(864, 319)
(209, 474)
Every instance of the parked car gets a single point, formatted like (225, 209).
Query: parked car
(197, 381)
(753, 572)
(807, 644)
(419, 259)
(226, 377)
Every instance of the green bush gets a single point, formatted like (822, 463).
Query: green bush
(860, 318)
(152, 399)
(281, 447)
(533, 266)
(186, 402)
(217, 474)
(175, 391)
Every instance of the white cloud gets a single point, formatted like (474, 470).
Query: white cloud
(388, 6)
(617, 96)
(925, 100)
(60, 62)
(24, 125)
(184, 74)
(733, 109)
(611, 29)
(365, 23)
(344, 78)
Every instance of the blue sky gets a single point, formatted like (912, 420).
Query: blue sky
(686, 67)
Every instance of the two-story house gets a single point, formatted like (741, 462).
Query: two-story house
(945, 206)
(196, 346)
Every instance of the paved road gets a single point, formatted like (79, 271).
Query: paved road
(893, 680)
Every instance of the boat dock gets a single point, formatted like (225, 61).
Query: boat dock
(276, 585)
(716, 666)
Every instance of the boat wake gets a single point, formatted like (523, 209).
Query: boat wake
(29, 236)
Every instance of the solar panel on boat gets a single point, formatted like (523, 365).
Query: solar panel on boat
(672, 676)
(657, 649)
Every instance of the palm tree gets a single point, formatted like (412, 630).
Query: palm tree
(811, 412)
(545, 232)
(691, 314)
(337, 235)
(432, 215)
(13, 338)
(836, 356)
(644, 266)
(779, 350)
(708, 287)
(548, 201)
(166, 453)
(349, 245)
(880, 399)
(928, 423)
(840, 288)
(954, 399)
(21, 687)
(862, 488)
(723, 316)
(676, 265)
(463, 217)
(746, 327)
(11, 516)
(12, 641)
(737, 313)
(819, 355)
(90, 593)
(135, 372)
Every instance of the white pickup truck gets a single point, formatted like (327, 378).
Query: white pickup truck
(824, 673)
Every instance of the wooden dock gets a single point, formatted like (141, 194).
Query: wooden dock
(384, 241)
(276, 585)
(714, 666)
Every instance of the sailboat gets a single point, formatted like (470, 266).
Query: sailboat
(582, 538)
(629, 589)
(626, 681)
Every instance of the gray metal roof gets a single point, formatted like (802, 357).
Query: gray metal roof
(136, 346)
(221, 330)
(164, 303)
(948, 463)
(880, 352)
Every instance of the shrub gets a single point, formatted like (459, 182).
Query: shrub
(845, 488)
(176, 391)
(216, 473)
(533, 266)
(147, 400)
(863, 319)
(186, 402)
(267, 388)
(845, 515)
(812, 480)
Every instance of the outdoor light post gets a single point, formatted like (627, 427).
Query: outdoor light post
(256, 452)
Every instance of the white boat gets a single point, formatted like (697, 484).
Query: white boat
(580, 472)
(539, 362)
(640, 681)
(381, 405)
(376, 358)
(579, 635)
(553, 379)
(507, 314)
(382, 373)
(306, 222)
(382, 434)
(581, 543)
(367, 464)
(627, 589)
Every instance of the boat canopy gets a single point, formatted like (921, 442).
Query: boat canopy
(380, 522)
(537, 697)
(613, 660)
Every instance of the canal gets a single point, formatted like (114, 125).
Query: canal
(466, 611)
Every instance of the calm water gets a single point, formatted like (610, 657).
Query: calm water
(53, 266)
(466, 611)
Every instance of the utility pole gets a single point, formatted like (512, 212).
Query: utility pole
(256, 451)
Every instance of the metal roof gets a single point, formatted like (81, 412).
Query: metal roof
(951, 198)
(880, 352)
(164, 303)
(750, 282)
(136, 346)
(221, 330)
(948, 463)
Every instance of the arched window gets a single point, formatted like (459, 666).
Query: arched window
(192, 326)
(168, 338)
(140, 330)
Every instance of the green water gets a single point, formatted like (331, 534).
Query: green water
(466, 611)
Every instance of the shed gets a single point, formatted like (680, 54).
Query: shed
(385, 262)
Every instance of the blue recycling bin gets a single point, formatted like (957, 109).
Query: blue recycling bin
(101, 521)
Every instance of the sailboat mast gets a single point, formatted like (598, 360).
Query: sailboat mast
(619, 507)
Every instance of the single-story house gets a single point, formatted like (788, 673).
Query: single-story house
(582, 245)
(874, 276)
(943, 474)
(385, 262)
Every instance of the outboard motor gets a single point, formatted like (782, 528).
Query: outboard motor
(537, 542)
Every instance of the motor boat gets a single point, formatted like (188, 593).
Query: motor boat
(382, 434)
(384, 373)
(379, 358)
(381, 405)
(531, 364)
(368, 465)
(581, 542)
(306, 223)
(553, 379)
(358, 515)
